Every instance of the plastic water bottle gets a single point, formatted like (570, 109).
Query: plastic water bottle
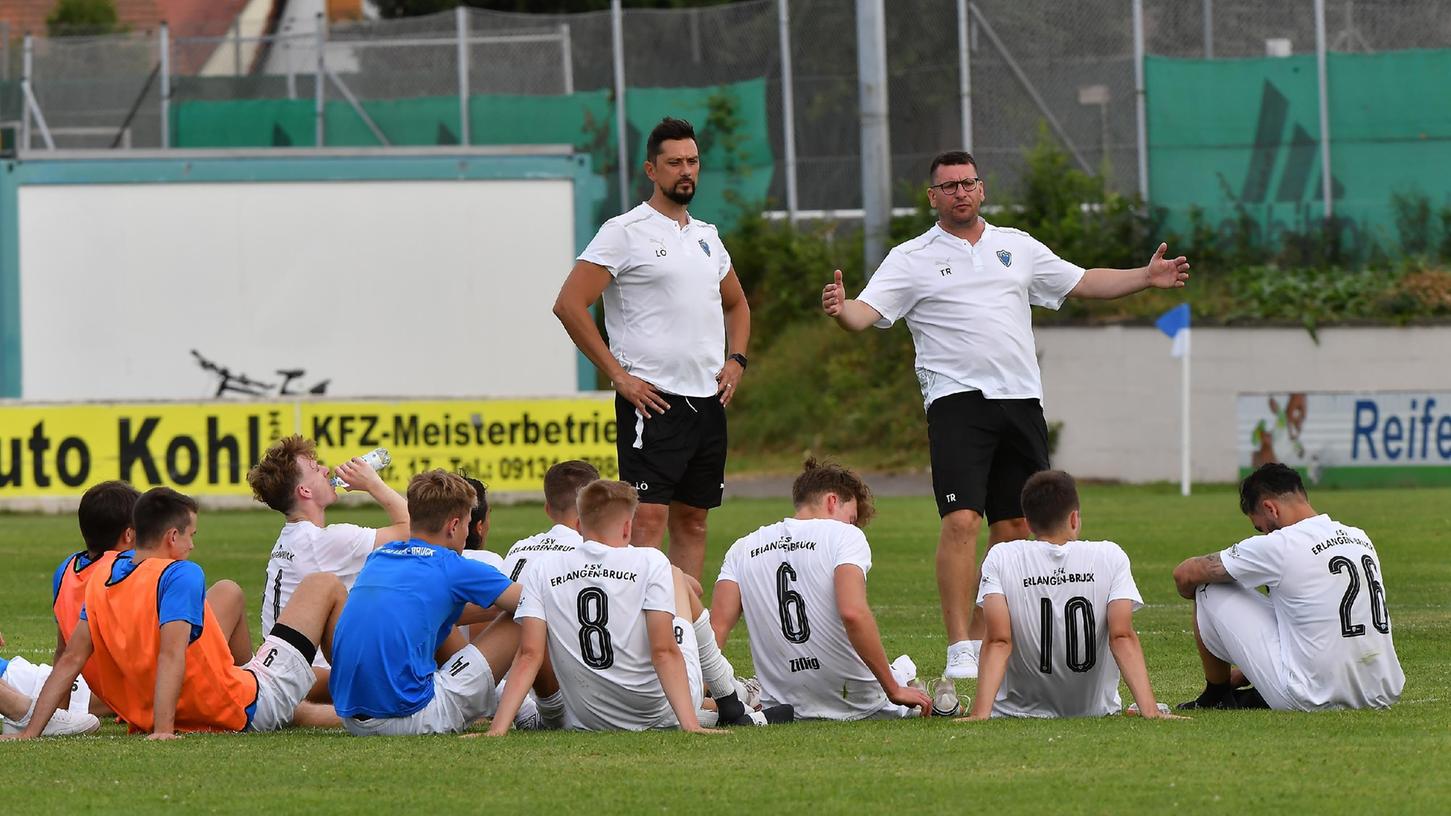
(1133, 709)
(377, 458)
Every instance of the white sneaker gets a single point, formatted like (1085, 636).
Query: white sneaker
(962, 660)
(749, 691)
(62, 724)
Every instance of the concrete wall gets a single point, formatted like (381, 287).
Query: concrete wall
(1116, 389)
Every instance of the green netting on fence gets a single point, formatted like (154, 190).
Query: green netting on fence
(1230, 134)
(730, 120)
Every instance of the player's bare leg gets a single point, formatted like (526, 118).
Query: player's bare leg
(319, 692)
(229, 605)
(13, 704)
(451, 645)
(997, 532)
(649, 527)
(314, 609)
(957, 570)
(316, 715)
(687, 537)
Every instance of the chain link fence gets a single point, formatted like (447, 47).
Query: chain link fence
(1032, 65)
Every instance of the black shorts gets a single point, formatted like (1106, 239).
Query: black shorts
(679, 455)
(983, 450)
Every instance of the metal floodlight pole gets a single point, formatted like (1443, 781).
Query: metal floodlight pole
(876, 155)
(566, 57)
(788, 106)
(622, 131)
(1141, 125)
(1209, 29)
(1322, 77)
(461, 17)
(319, 126)
(964, 75)
(164, 43)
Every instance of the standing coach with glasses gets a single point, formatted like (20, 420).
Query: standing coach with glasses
(964, 287)
(672, 301)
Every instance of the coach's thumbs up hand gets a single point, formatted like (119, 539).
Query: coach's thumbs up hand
(833, 297)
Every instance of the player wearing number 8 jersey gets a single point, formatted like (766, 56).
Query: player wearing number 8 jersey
(608, 616)
(1321, 639)
(1055, 608)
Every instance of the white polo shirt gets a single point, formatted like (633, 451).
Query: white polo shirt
(968, 308)
(662, 305)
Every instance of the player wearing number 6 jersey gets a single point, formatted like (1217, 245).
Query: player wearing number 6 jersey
(1055, 609)
(1322, 637)
(801, 583)
(291, 480)
(608, 616)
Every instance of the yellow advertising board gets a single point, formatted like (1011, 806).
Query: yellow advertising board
(205, 449)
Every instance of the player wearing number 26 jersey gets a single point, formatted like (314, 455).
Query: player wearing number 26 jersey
(1322, 637)
(1059, 617)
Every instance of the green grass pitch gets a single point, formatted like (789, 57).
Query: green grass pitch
(1220, 762)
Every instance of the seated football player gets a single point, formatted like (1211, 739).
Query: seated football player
(802, 585)
(166, 664)
(1055, 608)
(562, 483)
(291, 480)
(476, 545)
(612, 620)
(104, 516)
(401, 612)
(1321, 639)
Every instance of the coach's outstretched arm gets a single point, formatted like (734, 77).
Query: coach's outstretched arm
(852, 315)
(585, 284)
(1158, 273)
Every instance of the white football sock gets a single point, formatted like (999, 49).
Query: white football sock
(715, 669)
(551, 710)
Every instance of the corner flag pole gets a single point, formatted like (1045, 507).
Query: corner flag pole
(1184, 420)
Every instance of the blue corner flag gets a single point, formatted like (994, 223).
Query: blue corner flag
(1175, 323)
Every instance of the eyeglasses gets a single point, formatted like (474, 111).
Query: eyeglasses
(950, 187)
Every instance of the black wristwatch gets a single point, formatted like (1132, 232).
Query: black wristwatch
(740, 358)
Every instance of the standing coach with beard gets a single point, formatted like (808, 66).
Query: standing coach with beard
(965, 287)
(672, 301)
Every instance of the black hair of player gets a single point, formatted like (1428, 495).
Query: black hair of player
(563, 481)
(1270, 480)
(480, 512)
(669, 129)
(1049, 497)
(158, 510)
(105, 514)
(951, 158)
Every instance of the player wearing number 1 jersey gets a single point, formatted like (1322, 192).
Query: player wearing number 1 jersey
(608, 616)
(1055, 608)
(801, 583)
(562, 483)
(1321, 639)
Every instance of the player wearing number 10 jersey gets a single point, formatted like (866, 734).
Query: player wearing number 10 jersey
(1322, 637)
(1054, 609)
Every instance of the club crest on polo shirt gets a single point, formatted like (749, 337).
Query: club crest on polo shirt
(704, 247)
(1006, 257)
